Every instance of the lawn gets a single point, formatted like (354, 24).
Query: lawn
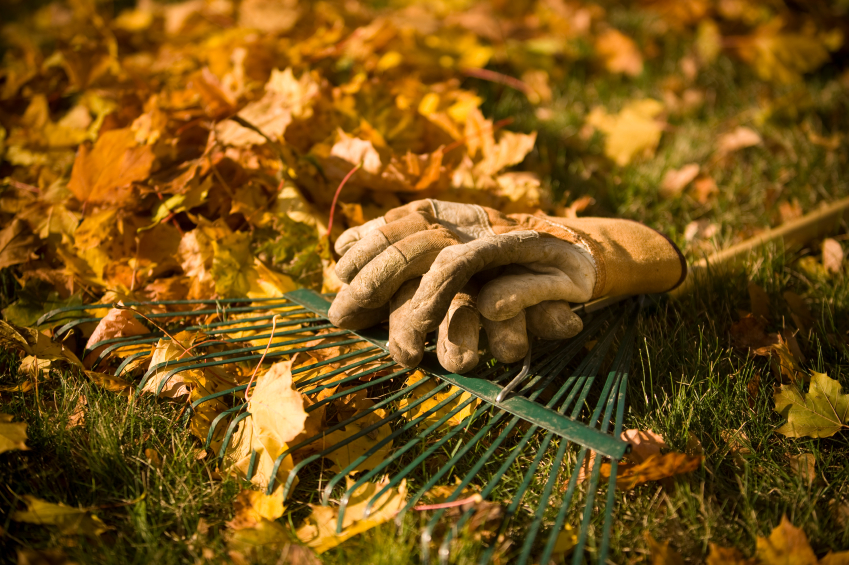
(746, 130)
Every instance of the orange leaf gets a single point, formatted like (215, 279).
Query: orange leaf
(104, 173)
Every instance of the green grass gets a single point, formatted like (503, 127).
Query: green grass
(687, 378)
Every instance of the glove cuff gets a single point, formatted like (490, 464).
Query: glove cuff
(630, 258)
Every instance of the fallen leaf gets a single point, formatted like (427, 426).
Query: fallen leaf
(803, 466)
(644, 444)
(786, 545)
(821, 412)
(630, 133)
(661, 553)
(70, 521)
(727, 556)
(277, 409)
(111, 383)
(36, 345)
(738, 445)
(740, 138)
(799, 311)
(115, 324)
(675, 181)
(422, 390)
(704, 188)
(619, 53)
(789, 210)
(749, 333)
(28, 556)
(13, 435)
(759, 300)
(784, 56)
(319, 529)
(103, 173)
(17, 243)
(832, 255)
(251, 507)
(653, 468)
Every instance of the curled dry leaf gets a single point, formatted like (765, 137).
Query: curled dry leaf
(13, 435)
(116, 323)
(70, 521)
(832, 255)
(737, 139)
(676, 180)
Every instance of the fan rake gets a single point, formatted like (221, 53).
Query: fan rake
(528, 449)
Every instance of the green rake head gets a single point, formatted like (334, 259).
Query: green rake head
(526, 449)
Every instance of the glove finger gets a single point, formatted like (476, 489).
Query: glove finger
(351, 236)
(459, 332)
(507, 295)
(346, 313)
(456, 264)
(379, 240)
(508, 339)
(553, 319)
(406, 345)
(411, 257)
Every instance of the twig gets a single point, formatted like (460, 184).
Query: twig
(336, 196)
(261, 359)
(493, 76)
(454, 504)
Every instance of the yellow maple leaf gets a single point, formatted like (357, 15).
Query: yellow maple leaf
(319, 530)
(786, 545)
(632, 132)
(423, 390)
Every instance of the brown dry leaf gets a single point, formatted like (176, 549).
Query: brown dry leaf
(786, 545)
(319, 530)
(738, 445)
(753, 387)
(799, 311)
(116, 323)
(676, 180)
(619, 53)
(17, 243)
(644, 444)
(759, 299)
(70, 521)
(654, 468)
(634, 131)
(103, 173)
(832, 255)
(788, 211)
(704, 188)
(749, 333)
(661, 553)
(740, 138)
(576, 207)
(13, 435)
(803, 466)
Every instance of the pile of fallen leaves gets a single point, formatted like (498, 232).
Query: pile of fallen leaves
(194, 150)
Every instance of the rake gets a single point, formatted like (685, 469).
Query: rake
(560, 414)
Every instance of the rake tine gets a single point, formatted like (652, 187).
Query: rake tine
(526, 368)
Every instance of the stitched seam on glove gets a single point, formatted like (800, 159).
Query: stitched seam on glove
(586, 244)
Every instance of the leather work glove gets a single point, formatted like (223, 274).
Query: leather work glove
(519, 271)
